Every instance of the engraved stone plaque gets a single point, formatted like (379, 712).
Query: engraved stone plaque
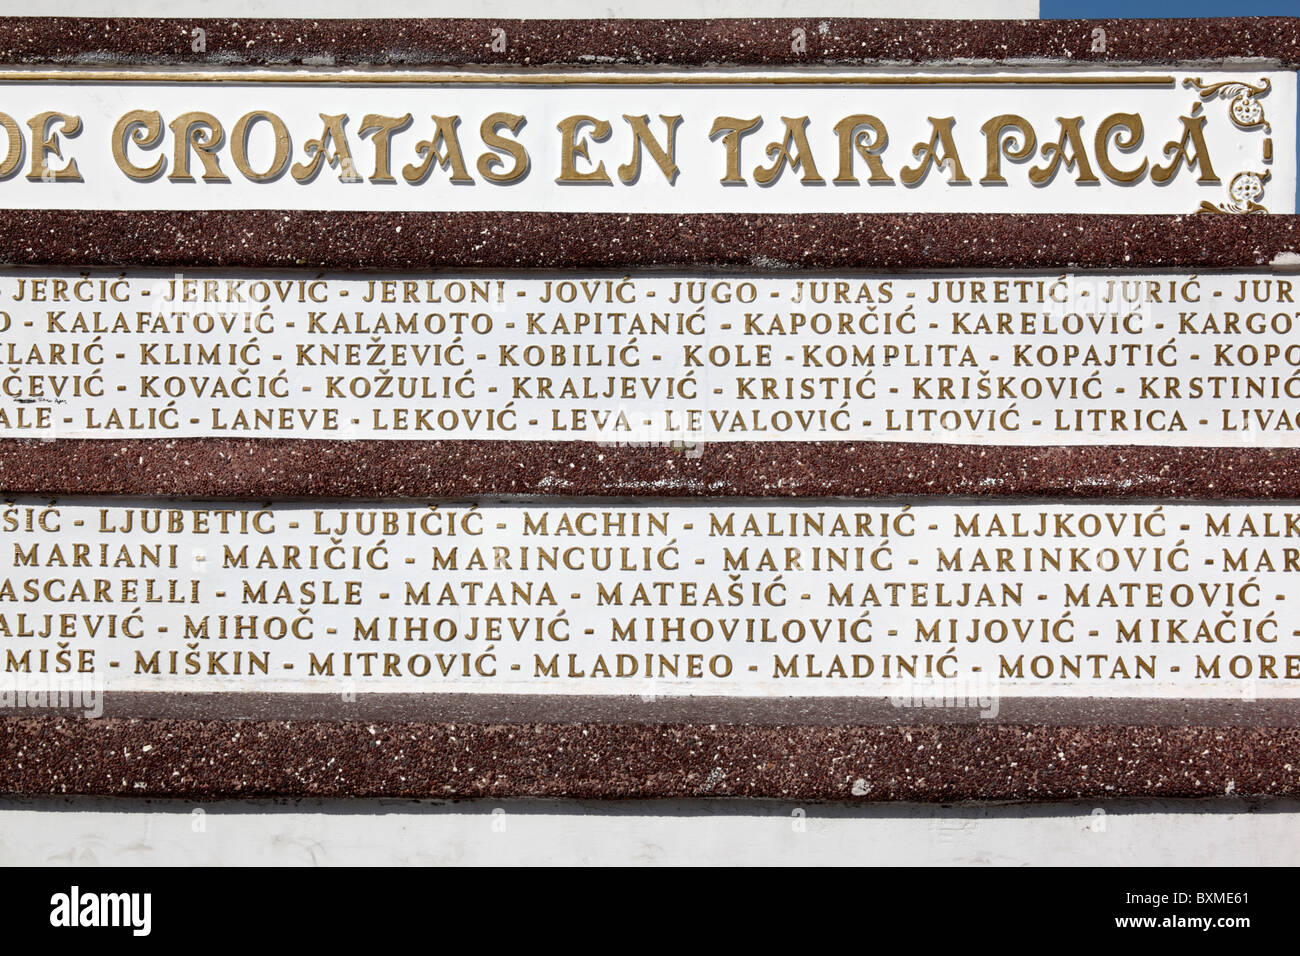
(736, 599)
(859, 416)
(1160, 359)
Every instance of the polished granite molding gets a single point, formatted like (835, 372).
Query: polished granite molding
(206, 758)
(768, 243)
(276, 469)
(604, 43)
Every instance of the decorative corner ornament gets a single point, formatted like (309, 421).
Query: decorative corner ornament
(1246, 189)
(1247, 113)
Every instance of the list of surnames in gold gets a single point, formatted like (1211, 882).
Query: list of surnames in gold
(1013, 359)
(653, 598)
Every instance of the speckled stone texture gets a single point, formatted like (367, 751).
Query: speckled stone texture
(937, 763)
(641, 42)
(387, 241)
(289, 468)
(832, 749)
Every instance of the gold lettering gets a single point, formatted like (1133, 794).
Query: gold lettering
(384, 128)
(202, 133)
(1178, 153)
(239, 146)
(735, 130)
(1015, 148)
(852, 131)
(928, 154)
(1130, 123)
(1056, 156)
(571, 147)
(442, 148)
(45, 143)
(317, 151)
(145, 129)
(14, 154)
(796, 138)
(488, 162)
(665, 159)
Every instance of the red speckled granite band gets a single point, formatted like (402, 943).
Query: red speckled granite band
(642, 42)
(270, 468)
(934, 763)
(373, 241)
(483, 746)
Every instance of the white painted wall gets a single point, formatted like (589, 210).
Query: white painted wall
(92, 832)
